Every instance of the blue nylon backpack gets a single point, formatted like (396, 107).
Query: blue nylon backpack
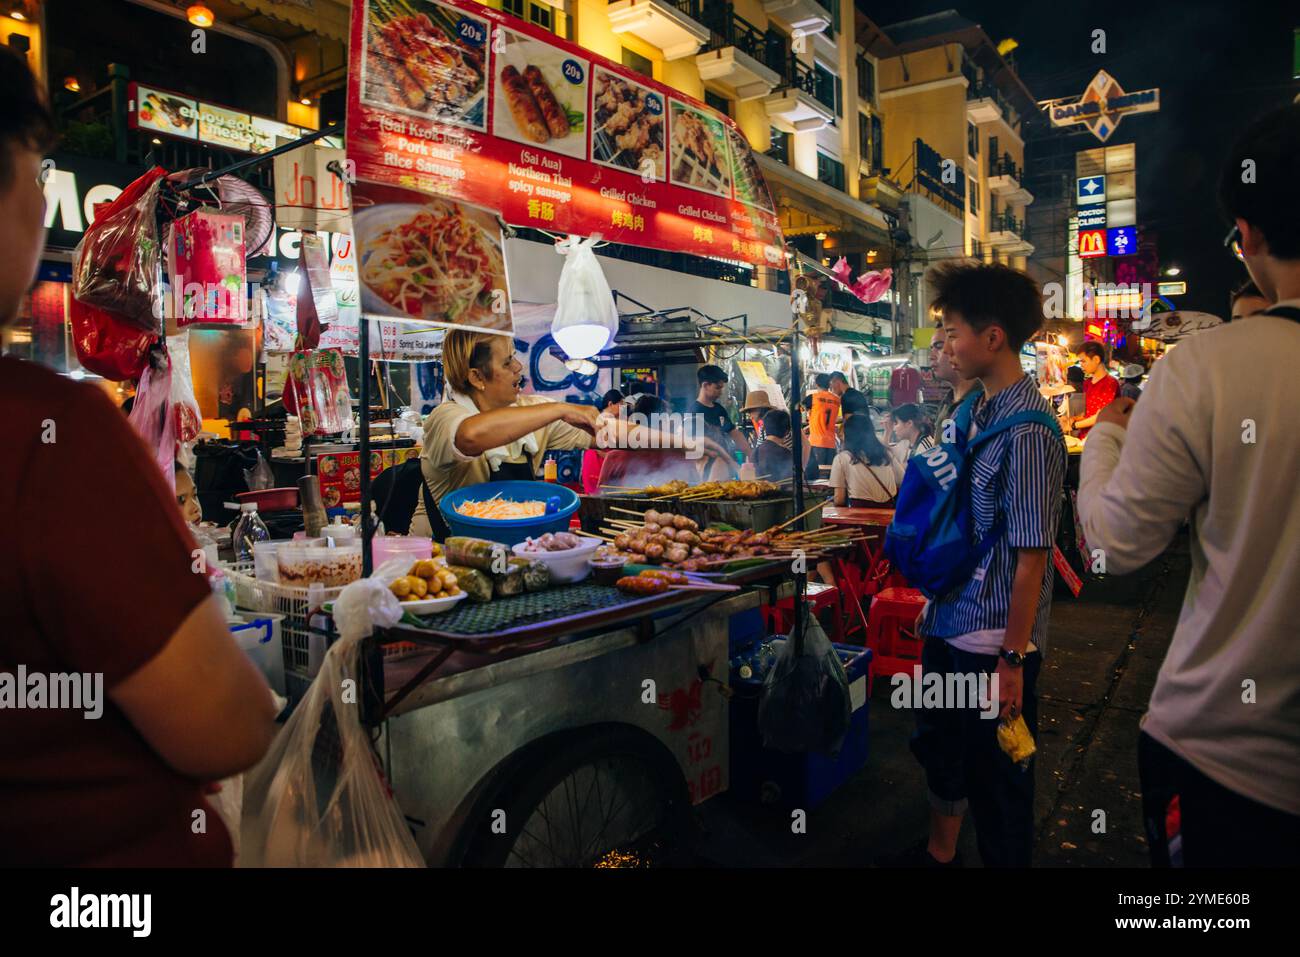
(931, 539)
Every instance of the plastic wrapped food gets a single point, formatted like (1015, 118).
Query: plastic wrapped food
(509, 583)
(537, 575)
(115, 266)
(477, 553)
(1014, 739)
(475, 583)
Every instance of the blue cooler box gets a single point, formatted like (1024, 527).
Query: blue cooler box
(792, 780)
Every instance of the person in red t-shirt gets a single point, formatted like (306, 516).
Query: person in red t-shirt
(649, 466)
(101, 603)
(1099, 387)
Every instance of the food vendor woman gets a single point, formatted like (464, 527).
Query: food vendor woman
(486, 431)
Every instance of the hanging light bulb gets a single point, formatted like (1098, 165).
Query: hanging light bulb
(199, 15)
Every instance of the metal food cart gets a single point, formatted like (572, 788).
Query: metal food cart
(560, 756)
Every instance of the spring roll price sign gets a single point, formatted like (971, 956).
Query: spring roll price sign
(455, 100)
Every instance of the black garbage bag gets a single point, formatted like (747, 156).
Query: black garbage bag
(805, 702)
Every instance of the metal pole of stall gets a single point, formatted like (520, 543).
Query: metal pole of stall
(367, 529)
(796, 444)
(212, 174)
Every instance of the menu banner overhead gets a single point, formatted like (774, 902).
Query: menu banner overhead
(457, 100)
(161, 111)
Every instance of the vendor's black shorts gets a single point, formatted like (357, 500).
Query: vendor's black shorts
(817, 457)
(965, 766)
(1210, 826)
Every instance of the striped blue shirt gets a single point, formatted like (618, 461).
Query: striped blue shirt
(1020, 475)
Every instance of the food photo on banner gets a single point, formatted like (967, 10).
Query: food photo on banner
(462, 102)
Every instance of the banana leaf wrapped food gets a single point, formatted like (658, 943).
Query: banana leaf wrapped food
(477, 584)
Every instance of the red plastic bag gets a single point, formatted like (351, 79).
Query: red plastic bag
(107, 345)
(116, 264)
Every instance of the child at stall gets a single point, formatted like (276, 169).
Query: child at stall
(187, 496)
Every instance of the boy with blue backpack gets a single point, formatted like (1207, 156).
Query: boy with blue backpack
(973, 529)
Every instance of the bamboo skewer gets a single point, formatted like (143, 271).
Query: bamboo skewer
(799, 516)
(626, 511)
(717, 587)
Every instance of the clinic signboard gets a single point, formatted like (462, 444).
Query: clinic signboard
(1092, 217)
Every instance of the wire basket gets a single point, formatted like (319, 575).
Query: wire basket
(291, 601)
(287, 600)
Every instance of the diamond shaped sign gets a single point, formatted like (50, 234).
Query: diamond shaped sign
(1103, 104)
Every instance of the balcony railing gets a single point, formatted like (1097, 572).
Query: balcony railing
(692, 8)
(1004, 165)
(981, 91)
(728, 29)
(1004, 222)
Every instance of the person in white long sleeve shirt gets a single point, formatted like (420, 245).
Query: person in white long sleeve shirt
(1214, 441)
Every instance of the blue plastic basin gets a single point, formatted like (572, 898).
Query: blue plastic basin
(510, 531)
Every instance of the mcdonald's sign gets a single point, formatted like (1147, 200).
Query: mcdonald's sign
(1092, 242)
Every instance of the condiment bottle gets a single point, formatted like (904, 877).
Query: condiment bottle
(550, 471)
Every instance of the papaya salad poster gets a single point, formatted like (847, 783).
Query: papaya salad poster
(457, 112)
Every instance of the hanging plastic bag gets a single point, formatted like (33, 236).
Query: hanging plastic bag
(151, 413)
(115, 266)
(259, 477)
(316, 389)
(107, 345)
(805, 704)
(185, 407)
(584, 302)
(319, 798)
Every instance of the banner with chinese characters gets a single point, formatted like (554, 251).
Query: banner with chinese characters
(462, 102)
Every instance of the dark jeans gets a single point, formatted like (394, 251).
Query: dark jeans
(964, 765)
(1217, 827)
(817, 457)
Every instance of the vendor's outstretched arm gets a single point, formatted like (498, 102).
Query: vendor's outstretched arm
(1138, 485)
(623, 435)
(487, 430)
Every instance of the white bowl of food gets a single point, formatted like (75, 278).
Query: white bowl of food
(567, 555)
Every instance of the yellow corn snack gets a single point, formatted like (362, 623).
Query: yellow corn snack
(1014, 738)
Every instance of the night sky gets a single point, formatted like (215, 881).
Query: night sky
(1218, 65)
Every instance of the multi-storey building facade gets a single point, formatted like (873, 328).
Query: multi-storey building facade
(954, 112)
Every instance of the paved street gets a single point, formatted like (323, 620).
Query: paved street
(1106, 648)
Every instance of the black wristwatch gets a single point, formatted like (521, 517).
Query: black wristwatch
(1014, 658)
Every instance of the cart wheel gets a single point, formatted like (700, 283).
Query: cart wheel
(574, 803)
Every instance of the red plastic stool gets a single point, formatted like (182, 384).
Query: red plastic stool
(780, 617)
(891, 631)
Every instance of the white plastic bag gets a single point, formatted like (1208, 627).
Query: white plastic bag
(319, 798)
(584, 302)
(185, 407)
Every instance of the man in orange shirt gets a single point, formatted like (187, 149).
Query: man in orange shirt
(821, 428)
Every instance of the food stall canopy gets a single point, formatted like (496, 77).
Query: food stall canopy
(1171, 326)
(329, 18)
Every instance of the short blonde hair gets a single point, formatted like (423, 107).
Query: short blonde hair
(463, 350)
